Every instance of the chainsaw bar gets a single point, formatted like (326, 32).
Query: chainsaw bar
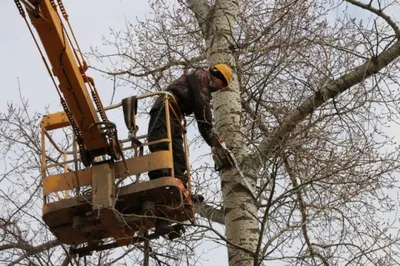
(228, 160)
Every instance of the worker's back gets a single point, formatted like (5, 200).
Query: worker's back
(181, 90)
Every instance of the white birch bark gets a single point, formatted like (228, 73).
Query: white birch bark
(240, 211)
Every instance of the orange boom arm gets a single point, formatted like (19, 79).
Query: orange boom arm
(70, 75)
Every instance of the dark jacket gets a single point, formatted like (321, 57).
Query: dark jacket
(181, 90)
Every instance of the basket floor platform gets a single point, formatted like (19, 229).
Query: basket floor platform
(75, 221)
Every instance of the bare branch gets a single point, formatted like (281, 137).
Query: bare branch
(211, 213)
(331, 90)
(379, 13)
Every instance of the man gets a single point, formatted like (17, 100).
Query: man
(193, 95)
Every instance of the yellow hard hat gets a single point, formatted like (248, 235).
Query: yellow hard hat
(223, 72)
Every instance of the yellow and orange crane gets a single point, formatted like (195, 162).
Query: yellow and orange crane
(91, 199)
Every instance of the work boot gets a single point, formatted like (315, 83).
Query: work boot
(158, 173)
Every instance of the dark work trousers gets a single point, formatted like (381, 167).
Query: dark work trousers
(158, 130)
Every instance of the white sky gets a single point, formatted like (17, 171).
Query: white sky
(20, 60)
(91, 20)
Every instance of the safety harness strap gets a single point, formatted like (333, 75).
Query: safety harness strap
(194, 89)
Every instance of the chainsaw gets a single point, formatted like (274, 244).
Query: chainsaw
(224, 159)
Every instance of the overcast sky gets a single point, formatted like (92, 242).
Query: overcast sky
(90, 19)
(20, 60)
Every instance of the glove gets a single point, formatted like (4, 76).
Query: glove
(216, 142)
(218, 157)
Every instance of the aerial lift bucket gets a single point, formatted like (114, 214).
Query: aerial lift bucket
(90, 209)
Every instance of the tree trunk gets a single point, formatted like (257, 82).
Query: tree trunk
(240, 210)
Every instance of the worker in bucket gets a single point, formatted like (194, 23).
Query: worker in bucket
(193, 95)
